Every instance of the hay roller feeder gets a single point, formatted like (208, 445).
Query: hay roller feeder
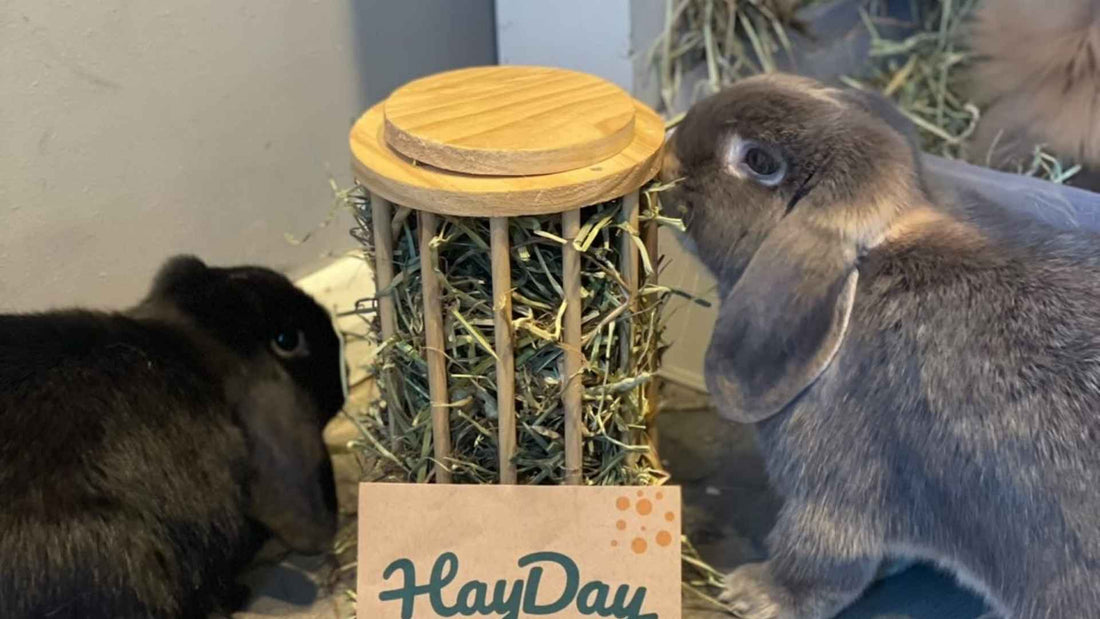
(498, 143)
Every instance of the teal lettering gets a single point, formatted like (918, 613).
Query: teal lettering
(509, 599)
(632, 610)
(409, 590)
(471, 599)
(592, 598)
(530, 598)
(441, 577)
(508, 607)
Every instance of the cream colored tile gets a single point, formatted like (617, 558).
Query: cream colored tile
(338, 287)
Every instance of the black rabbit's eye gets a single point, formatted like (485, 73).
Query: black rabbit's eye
(761, 161)
(287, 340)
(290, 343)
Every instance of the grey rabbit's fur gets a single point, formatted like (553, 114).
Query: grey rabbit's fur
(923, 373)
(145, 455)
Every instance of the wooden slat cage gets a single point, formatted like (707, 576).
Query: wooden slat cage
(505, 144)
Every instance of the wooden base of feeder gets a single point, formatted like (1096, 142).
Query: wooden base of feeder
(497, 122)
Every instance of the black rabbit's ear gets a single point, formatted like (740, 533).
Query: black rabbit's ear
(176, 273)
(782, 323)
(292, 491)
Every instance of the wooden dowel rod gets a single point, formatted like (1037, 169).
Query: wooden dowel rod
(381, 222)
(653, 388)
(629, 268)
(399, 216)
(504, 344)
(433, 344)
(572, 396)
(381, 218)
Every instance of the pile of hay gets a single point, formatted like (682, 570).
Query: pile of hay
(617, 446)
(732, 39)
(924, 73)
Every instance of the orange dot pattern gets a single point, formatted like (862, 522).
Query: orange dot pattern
(643, 507)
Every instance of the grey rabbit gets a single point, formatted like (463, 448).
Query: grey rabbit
(923, 373)
(146, 454)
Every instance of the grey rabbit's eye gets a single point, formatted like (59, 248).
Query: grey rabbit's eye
(290, 344)
(764, 166)
(761, 162)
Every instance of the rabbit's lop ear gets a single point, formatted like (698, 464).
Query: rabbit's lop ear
(292, 491)
(878, 106)
(783, 321)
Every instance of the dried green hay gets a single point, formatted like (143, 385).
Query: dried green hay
(925, 74)
(732, 38)
(617, 450)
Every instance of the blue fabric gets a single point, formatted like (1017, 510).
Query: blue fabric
(920, 592)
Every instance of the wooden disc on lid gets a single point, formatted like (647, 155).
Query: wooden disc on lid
(509, 120)
(390, 171)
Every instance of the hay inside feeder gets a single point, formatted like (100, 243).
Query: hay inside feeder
(621, 345)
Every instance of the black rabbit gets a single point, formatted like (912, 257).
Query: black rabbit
(923, 373)
(145, 455)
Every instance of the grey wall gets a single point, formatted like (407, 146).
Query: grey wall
(608, 38)
(131, 130)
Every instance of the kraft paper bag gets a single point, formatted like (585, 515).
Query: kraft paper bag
(511, 552)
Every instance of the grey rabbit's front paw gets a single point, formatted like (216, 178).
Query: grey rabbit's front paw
(751, 593)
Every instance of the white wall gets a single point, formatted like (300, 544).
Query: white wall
(607, 38)
(612, 39)
(130, 131)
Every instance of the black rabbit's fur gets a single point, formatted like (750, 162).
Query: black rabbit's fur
(959, 419)
(127, 454)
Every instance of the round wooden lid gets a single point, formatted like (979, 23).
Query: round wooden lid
(509, 120)
(403, 181)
